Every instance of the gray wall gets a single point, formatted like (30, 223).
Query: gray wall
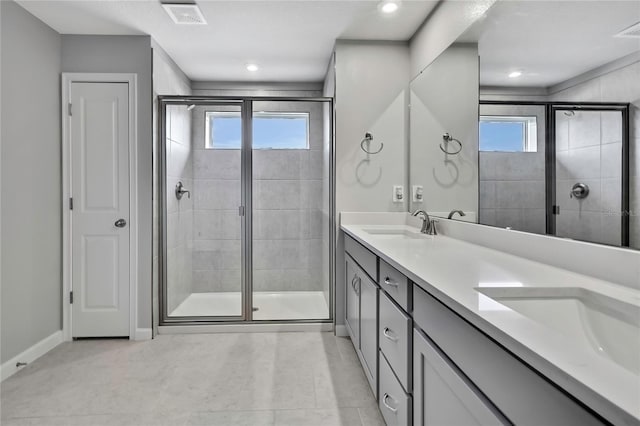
(168, 79)
(371, 80)
(31, 181)
(444, 99)
(512, 184)
(126, 54)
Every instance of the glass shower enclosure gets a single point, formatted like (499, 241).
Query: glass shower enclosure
(246, 209)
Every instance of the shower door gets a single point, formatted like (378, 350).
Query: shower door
(290, 232)
(204, 262)
(590, 183)
(245, 210)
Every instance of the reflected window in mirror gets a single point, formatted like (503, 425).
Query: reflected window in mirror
(508, 133)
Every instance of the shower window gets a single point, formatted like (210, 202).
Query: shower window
(272, 130)
(508, 133)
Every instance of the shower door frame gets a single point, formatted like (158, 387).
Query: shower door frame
(623, 108)
(550, 155)
(245, 210)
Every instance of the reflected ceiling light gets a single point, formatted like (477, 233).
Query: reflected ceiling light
(252, 67)
(515, 74)
(389, 6)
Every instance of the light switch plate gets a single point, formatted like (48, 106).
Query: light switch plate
(398, 193)
(417, 193)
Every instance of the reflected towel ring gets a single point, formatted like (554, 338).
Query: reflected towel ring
(447, 138)
(368, 137)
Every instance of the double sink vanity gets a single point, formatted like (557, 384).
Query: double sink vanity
(450, 333)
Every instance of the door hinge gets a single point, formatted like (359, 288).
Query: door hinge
(71, 203)
(555, 210)
(241, 211)
(71, 297)
(70, 109)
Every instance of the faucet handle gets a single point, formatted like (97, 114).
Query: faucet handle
(433, 229)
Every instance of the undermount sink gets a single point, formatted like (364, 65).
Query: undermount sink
(396, 233)
(609, 326)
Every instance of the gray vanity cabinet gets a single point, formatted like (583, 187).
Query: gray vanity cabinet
(442, 395)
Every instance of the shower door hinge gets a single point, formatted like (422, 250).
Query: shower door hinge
(71, 203)
(71, 297)
(70, 112)
(241, 211)
(555, 210)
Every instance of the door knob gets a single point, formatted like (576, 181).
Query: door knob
(120, 223)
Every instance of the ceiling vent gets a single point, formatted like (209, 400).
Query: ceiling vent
(185, 14)
(632, 31)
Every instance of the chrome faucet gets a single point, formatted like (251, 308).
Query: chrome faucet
(460, 212)
(428, 224)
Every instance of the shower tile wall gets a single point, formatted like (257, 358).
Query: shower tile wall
(589, 151)
(512, 184)
(216, 245)
(287, 208)
(179, 213)
(287, 225)
(620, 85)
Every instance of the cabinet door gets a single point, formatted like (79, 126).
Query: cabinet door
(369, 327)
(353, 302)
(442, 397)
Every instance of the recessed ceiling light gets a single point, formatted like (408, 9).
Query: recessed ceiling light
(252, 67)
(515, 74)
(389, 7)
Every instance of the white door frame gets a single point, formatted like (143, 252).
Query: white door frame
(67, 80)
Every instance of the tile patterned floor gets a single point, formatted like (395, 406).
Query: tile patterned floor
(251, 379)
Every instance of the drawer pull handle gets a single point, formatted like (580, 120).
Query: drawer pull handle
(384, 401)
(387, 333)
(388, 281)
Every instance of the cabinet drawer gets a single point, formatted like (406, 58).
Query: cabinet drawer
(517, 390)
(363, 257)
(395, 339)
(396, 285)
(394, 403)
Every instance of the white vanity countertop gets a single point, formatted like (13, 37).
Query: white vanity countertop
(451, 269)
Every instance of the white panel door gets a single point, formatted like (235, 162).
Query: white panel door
(100, 191)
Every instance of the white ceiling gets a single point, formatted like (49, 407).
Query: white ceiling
(551, 41)
(290, 40)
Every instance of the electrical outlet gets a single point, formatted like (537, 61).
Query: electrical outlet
(398, 193)
(416, 191)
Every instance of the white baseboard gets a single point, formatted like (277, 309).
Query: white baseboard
(143, 334)
(243, 328)
(341, 331)
(9, 368)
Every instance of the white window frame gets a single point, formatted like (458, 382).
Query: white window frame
(208, 143)
(530, 143)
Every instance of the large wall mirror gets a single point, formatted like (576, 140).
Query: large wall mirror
(531, 121)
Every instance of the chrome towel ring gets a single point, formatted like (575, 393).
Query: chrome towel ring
(365, 145)
(447, 138)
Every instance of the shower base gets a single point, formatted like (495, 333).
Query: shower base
(278, 305)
